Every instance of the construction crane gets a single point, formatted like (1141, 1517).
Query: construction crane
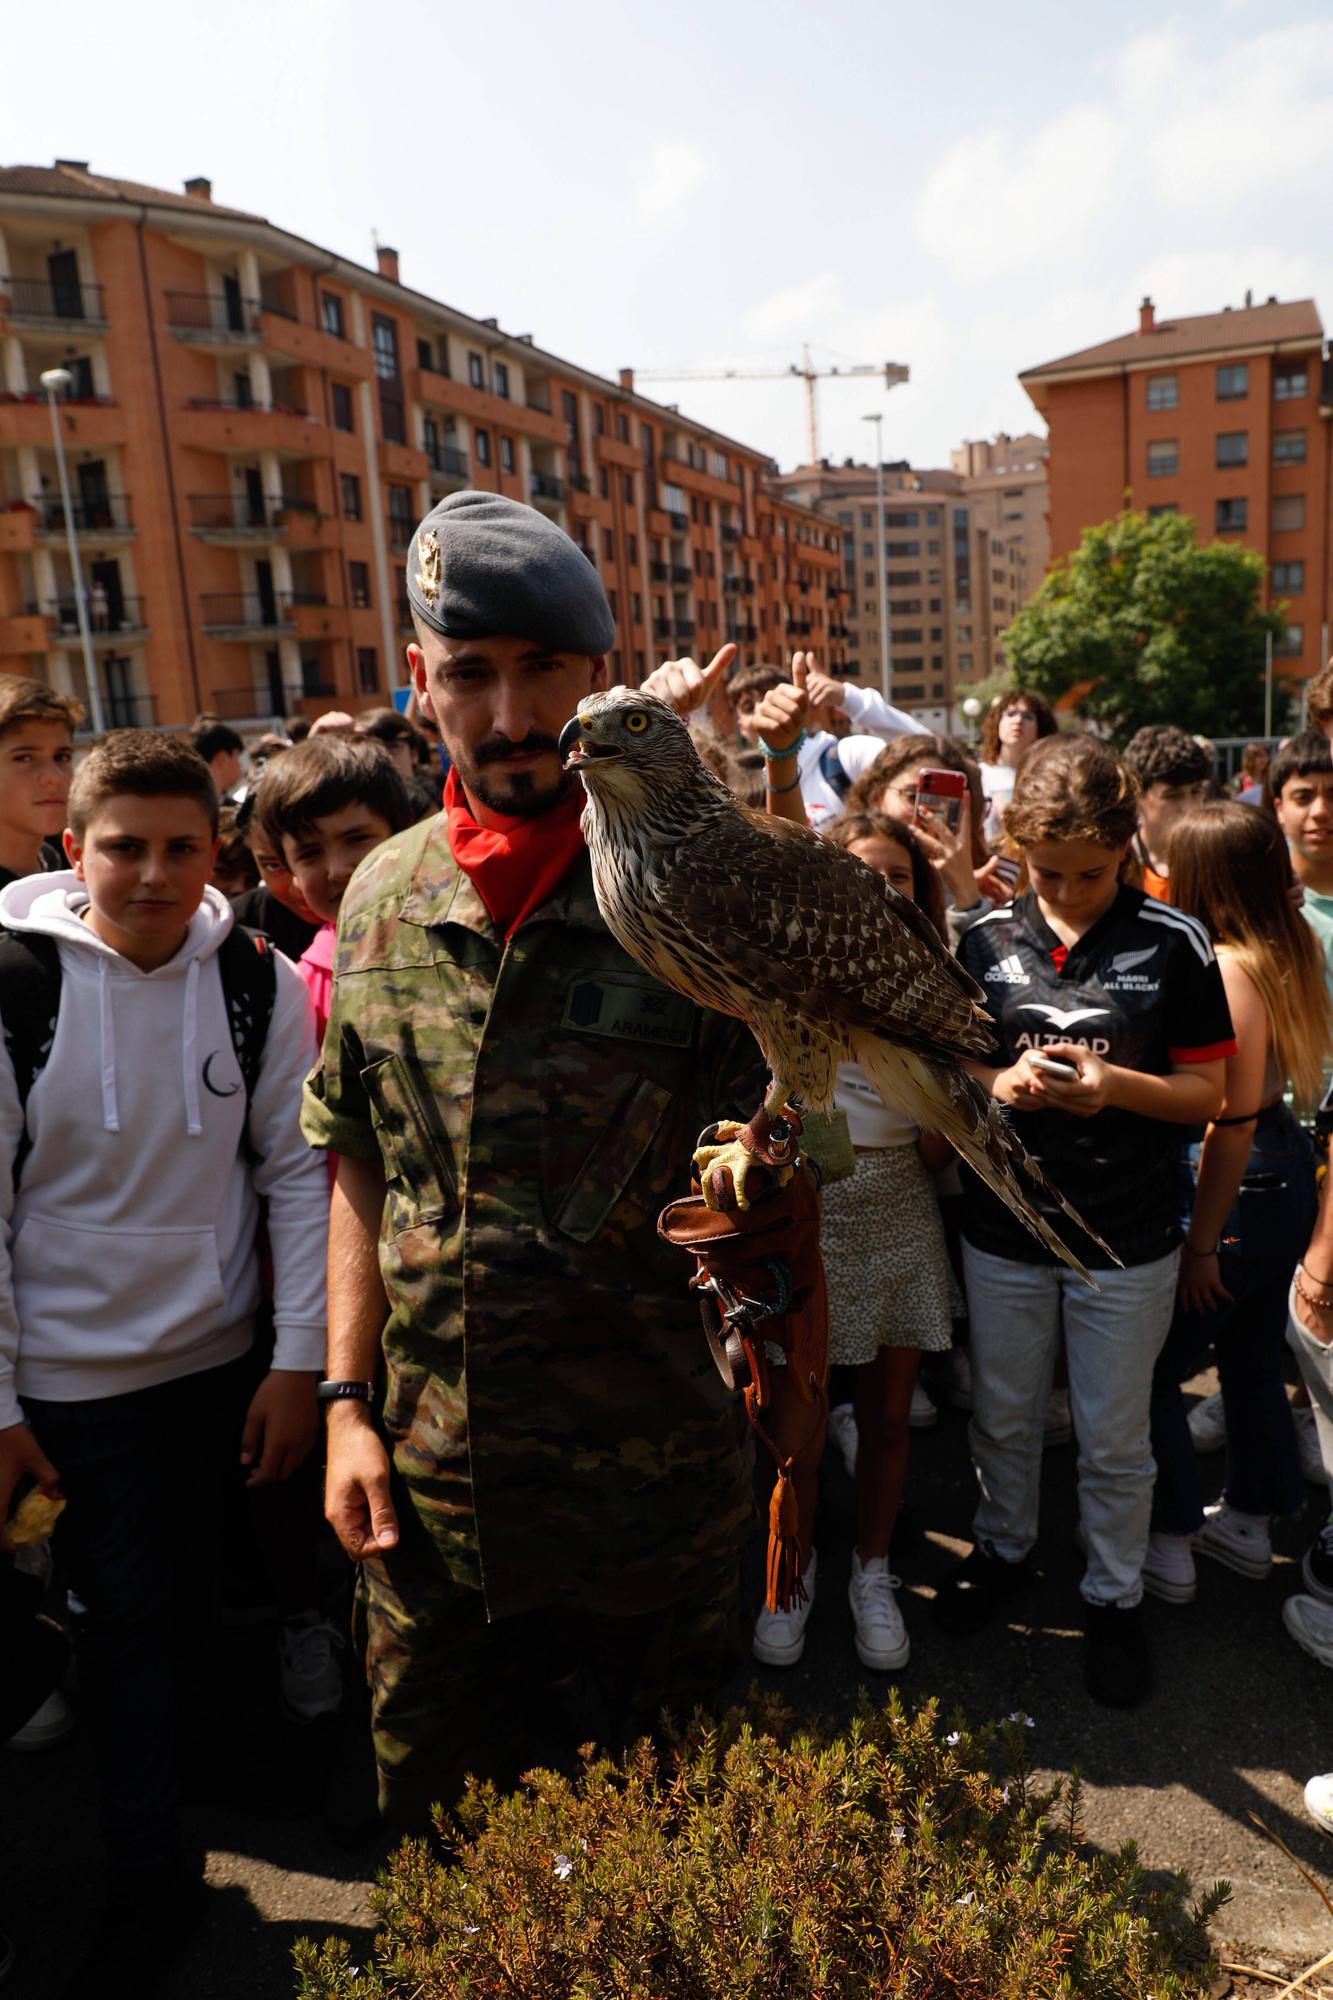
(892, 373)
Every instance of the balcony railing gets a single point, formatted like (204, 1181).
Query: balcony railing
(662, 628)
(739, 586)
(730, 534)
(239, 704)
(39, 298)
(232, 404)
(129, 711)
(678, 573)
(684, 628)
(104, 516)
(234, 514)
(545, 486)
(237, 611)
(677, 518)
(447, 459)
(129, 616)
(209, 312)
(742, 635)
(8, 396)
(801, 625)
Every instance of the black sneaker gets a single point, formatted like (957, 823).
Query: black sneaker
(980, 1586)
(1116, 1662)
(1317, 1565)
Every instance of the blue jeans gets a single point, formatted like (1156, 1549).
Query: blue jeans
(1265, 1234)
(1112, 1339)
(144, 1475)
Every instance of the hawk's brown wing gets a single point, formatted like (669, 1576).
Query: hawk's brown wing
(792, 919)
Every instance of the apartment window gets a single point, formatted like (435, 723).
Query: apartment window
(402, 514)
(476, 371)
(358, 583)
(1231, 517)
(1290, 644)
(636, 607)
(349, 489)
(501, 382)
(1164, 507)
(340, 400)
(633, 548)
(965, 663)
(367, 670)
(1290, 382)
(1164, 458)
(1289, 447)
(384, 340)
(1288, 512)
(640, 665)
(1233, 448)
(932, 517)
(425, 354)
(483, 442)
(1288, 579)
(608, 545)
(1233, 381)
(331, 315)
(622, 428)
(627, 488)
(506, 454)
(603, 482)
(599, 419)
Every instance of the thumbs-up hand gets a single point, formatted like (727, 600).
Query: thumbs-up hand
(783, 711)
(684, 685)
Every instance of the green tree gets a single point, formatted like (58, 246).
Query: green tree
(1143, 623)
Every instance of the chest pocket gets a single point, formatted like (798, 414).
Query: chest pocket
(615, 1109)
(413, 1146)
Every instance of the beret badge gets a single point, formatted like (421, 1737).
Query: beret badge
(430, 574)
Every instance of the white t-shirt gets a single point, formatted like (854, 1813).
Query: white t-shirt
(870, 1122)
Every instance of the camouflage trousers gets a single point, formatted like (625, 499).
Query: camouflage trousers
(452, 1694)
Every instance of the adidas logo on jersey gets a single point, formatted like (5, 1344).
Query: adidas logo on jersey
(1009, 972)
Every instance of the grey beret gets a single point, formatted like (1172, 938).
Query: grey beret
(483, 567)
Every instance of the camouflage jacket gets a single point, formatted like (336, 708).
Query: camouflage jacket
(550, 1401)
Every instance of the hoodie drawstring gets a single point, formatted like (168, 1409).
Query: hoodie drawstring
(190, 1043)
(107, 1024)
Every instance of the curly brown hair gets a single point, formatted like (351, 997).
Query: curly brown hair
(927, 889)
(1072, 788)
(990, 728)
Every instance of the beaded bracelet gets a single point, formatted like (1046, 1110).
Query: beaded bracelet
(777, 790)
(772, 756)
(1311, 1298)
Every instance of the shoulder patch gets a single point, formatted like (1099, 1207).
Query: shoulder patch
(631, 1011)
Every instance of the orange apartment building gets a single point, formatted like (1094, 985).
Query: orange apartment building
(254, 428)
(1225, 417)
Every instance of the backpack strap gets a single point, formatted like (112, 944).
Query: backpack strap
(249, 977)
(29, 1007)
(831, 770)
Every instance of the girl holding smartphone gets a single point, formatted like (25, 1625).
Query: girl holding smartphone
(1083, 970)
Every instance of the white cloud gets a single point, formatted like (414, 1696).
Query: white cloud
(674, 170)
(1000, 199)
(802, 310)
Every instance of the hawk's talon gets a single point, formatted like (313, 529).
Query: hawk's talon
(728, 1154)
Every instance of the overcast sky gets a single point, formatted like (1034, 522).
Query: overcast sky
(965, 188)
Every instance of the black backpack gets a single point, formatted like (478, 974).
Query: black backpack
(30, 1007)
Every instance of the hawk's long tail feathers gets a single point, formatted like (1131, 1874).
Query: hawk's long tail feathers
(941, 1098)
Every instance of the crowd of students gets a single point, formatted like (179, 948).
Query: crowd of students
(1158, 962)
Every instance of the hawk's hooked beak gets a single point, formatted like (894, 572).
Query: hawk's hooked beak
(575, 748)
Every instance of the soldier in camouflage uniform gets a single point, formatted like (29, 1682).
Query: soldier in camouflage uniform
(560, 1532)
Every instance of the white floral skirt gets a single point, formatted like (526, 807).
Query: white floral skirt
(889, 1279)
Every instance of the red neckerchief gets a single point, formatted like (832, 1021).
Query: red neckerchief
(516, 866)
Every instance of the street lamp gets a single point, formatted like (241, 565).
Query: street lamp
(972, 709)
(58, 381)
(885, 665)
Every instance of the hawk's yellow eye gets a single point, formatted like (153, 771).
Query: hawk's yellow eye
(636, 720)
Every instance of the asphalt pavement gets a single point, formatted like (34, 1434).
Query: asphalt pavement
(1238, 1720)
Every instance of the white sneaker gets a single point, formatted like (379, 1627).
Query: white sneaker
(923, 1416)
(1168, 1569)
(779, 1636)
(308, 1666)
(1307, 1445)
(1241, 1541)
(842, 1433)
(51, 1724)
(1058, 1424)
(1310, 1624)
(1319, 1802)
(1208, 1424)
(960, 1378)
(881, 1636)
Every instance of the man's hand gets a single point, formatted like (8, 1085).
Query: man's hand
(281, 1425)
(21, 1454)
(684, 685)
(356, 1484)
(782, 712)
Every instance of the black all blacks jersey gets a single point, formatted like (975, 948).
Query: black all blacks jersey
(1142, 990)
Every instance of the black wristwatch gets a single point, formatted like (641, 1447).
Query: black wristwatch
(344, 1392)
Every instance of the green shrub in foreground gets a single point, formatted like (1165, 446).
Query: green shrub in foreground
(744, 1860)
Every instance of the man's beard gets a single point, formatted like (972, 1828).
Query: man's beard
(516, 794)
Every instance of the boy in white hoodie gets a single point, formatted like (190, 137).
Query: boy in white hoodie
(130, 1184)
